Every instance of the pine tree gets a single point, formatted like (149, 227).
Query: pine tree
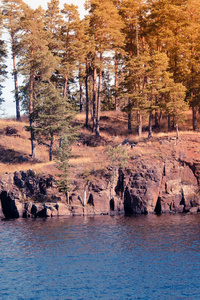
(52, 115)
(62, 164)
(175, 104)
(131, 15)
(37, 63)
(165, 28)
(157, 68)
(3, 55)
(53, 22)
(105, 27)
(67, 36)
(83, 46)
(87, 46)
(108, 102)
(130, 11)
(12, 11)
(133, 87)
(192, 36)
(176, 24)
(164, 31)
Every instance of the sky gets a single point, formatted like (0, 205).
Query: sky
(8, 107)
(43, 3)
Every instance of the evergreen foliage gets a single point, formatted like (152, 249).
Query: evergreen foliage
(62, 164)
(148, 48)
(12, 11)
(53, 116)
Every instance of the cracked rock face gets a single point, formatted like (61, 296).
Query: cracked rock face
(161, 188)
(142, 189)
(153, 187)
(24, 194)
(19, 188)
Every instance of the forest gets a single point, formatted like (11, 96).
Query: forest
(141, 57)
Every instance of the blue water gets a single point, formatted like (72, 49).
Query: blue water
(101, 257)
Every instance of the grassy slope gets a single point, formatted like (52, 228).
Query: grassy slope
(92, 159)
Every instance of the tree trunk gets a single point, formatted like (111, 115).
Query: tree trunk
(81, 98)
(139, 125)
(31, 118)
(51, 149)
(81, 92)
(169, 123)
(177, 132)
(116, 85)
(33, 141)
(156, 119)
(150, 125)
(138, 54)
(87, 102)
(194, 118)
(129, 122)
(99, 97)
(129, 116)
(94, 95)
(160, 117)
(16, 88)
(173, 122)
(65, 87)
(137, 36)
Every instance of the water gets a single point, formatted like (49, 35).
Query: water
(101, 257)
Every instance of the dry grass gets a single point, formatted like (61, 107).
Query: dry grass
(86, 157)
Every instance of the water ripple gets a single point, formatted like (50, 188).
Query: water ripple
(143, 257)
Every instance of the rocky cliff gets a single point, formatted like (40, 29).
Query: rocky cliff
(162, 187)
(25, 194)
(150, 186)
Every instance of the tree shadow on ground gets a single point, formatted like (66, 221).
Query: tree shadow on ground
(12, 156)
(92, 140)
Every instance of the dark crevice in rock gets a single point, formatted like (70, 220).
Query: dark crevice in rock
(182, 200)
(127, 203)
(34, 210)
(42, 213)
(164, 171)
(8, 206)
(112, 204)
(119, 189)
(158, 208)
(91, 200)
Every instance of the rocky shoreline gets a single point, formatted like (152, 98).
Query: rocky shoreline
(25, 194)
(151, 186)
